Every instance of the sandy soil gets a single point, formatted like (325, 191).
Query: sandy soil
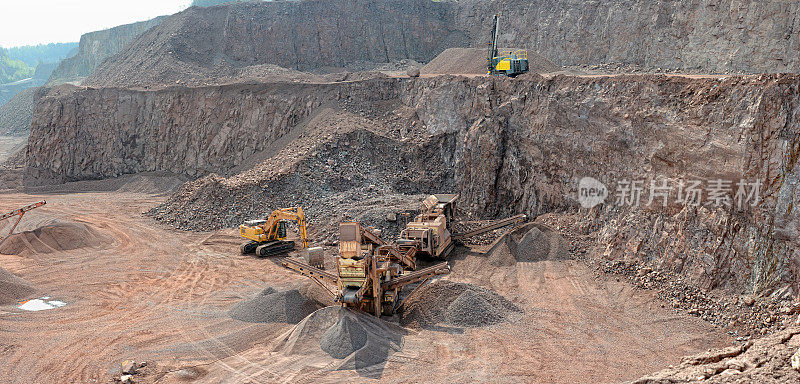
(162, 296)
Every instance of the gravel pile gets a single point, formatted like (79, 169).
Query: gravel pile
(271, 306)
(457, 304)
(357, 340)
(317, 172)
(535, 242)
(457, 61)
(529, 243)
(343, 338)
(13, 288)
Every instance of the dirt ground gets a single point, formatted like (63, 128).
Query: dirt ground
(161, 295)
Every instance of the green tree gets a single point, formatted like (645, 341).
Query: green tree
(12, 70)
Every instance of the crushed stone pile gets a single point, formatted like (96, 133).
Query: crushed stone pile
(272, 306)
(536, 242)
(13, 288)
(356, 339)
(457, 304)
(472, 61)
(341, 193)
(528, 243)
(55, 237)
(343, 338)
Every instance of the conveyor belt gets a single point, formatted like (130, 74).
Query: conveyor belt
(413, 277)
(490, 227)
(309, 271)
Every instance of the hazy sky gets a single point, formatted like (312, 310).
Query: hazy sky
(30, 22)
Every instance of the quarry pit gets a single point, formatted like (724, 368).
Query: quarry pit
(150, 157)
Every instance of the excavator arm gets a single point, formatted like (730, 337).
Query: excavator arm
(293, 214)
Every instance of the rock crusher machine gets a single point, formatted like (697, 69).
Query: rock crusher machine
(370, 272)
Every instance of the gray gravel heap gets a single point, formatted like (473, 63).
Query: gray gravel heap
(343, 338)
(271, 306)
(457, 304)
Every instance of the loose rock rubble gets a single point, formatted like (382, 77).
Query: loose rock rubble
(766, 360)
(743, 316)
(271, 306)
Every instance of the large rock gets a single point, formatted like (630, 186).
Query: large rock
(766, 360)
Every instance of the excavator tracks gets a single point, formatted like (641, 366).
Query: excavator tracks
(266, 249)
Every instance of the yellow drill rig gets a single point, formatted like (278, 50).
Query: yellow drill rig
(268, 237)
(510, 63)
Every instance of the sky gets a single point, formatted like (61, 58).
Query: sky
(31, 22)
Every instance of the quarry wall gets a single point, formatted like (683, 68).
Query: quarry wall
(712, 36)
(94, 47)
(700, 36)
(507, 146)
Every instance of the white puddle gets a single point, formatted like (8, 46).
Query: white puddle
(40, 304)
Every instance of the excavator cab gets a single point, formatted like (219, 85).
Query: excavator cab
(254, 230)
(282, 230)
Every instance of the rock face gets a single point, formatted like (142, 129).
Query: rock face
(204, 42)
(95, 47)
(734, 36)
(767, 360)
(729, 36)
(507, 146)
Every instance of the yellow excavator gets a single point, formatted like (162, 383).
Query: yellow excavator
(268, 237)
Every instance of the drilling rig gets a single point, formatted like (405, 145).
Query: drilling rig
(509, 62)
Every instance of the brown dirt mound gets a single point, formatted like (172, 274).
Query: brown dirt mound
(271, 306)
(56, 237)
(457, 304)
(13, 288)
(472, 61)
